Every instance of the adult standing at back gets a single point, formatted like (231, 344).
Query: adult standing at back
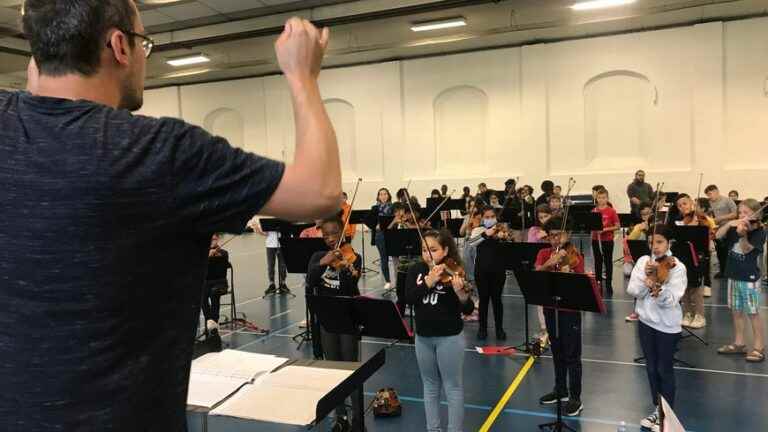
(97, 317)
(723, 210)
(639, 192)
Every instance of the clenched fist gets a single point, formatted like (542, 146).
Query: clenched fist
(301, 48)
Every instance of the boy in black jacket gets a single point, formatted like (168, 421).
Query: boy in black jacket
(326, 280)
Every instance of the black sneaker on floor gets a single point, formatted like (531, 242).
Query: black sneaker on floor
(341, 425)
(573, 407)
(482, 334)
(283, 289)
(551, 399)
(501, 334)
(271, 290)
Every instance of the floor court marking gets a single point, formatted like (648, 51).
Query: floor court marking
(713, 305)
(507, 395)
(548, 357)
(546, 415)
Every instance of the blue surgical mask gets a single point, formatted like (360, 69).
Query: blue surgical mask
(489, 223)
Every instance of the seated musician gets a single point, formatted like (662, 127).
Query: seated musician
(658, 283)
(332, 276)
(566, 341)
(215, 285)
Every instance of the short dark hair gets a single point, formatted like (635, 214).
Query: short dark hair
(662, 230)
(644, 206)
(547, 186)
(68, 36)
(683, 195)
(597, 187)
(734, 192)
(334, 220)
(710, 188)
(554, 224)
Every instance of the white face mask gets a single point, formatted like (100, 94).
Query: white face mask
(489, 223)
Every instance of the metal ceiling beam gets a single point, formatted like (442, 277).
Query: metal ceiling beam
(329, 22)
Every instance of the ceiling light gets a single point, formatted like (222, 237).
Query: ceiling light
(438, 25)
(599, 4)
(188, 60)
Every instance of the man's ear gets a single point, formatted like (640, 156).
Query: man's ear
(120, 47)
(33, 76)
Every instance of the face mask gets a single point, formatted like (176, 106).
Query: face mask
(489, 223)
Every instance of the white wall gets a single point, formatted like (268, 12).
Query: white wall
(673, 102)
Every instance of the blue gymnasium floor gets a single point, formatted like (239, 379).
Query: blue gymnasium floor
(720, 393)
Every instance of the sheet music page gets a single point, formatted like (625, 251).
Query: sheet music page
(216, 376)
(288, 396)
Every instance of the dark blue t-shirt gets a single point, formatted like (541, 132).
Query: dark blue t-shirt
(105, 222)
(741, 266)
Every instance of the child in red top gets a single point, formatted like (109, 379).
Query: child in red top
(566, 341)
(602, 241)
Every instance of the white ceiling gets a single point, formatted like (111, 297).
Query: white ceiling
(238, 34)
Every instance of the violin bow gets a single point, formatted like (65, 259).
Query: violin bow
(439, 206)
(349, 216)
(413, 215)
(567, 207)
(698, 195)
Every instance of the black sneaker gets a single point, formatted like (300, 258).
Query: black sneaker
(573, 407)
(482, 334)
(551, 398)
(283, 289)
(341, 425)
(501, 334)
(271, 290)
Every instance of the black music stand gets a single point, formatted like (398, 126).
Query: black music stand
(402, 242)
(359, 316)
(585, 221)
(361, 218)
(698, 237)
(522, 257)
(454, 226)
(573, 292)
(297, 252)
(627, 220)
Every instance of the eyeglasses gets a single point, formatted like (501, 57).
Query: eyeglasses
(147, 43)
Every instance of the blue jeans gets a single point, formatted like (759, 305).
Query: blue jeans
(383, 258)
(659, 349)
(441, 363)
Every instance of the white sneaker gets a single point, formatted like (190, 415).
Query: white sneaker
(687, 318)
(387, 286)
(211, 325)
(707, 291)
(652, 421)
(698, 322)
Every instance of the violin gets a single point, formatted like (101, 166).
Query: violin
(345, 258)
(452, 269)
(571, 258)
(659, 273)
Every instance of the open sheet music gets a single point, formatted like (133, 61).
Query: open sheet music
(287, 396)
(216, 376)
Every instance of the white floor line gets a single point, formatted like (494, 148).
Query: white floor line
(280, 314)
(613, 362)
(632, 301)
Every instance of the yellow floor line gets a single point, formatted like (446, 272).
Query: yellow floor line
(507, 395)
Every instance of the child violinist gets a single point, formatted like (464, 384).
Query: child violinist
(566, 341)
(658, 283)
(638, 232)
(440, 299)
(332, 274)
(490, 272)
(745, 240)
(693, 300)
(602, 241)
